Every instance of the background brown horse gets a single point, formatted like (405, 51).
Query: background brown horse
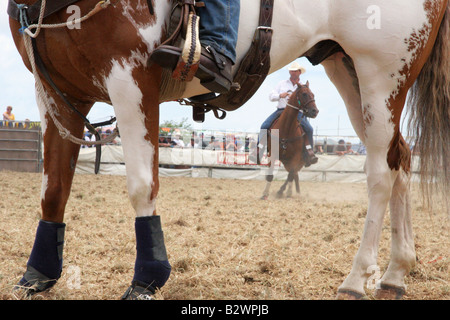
(291, 139)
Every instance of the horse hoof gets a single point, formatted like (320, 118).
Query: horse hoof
(389, 292)
(37, 283)
(344, 294)
(22, 293)
(138, 292)
(264, 198)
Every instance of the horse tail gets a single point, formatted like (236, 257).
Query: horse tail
(429, 116)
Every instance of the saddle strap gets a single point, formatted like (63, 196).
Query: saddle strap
(256, 64)
(251, 72)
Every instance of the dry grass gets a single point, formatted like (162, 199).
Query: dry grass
(222, 241)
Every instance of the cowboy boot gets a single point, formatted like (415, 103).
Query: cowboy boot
(214, 70)
(309, 156)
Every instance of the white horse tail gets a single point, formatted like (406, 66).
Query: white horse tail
(429, 116)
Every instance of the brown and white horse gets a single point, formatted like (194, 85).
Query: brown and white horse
(372, 50)
(291, 139)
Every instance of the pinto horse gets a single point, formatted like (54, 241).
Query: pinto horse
(291, 139)
(374, 51)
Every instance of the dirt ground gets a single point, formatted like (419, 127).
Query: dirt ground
(223, 241)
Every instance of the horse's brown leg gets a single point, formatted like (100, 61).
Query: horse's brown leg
(44, 265)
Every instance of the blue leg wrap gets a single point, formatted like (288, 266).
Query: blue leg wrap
(45, 263)
(152, 268)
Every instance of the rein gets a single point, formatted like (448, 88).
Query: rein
(304, 110)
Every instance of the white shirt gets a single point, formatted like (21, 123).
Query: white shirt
(283, 86)
(179, 142)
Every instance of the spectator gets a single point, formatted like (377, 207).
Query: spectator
(202, 143)
(213, 144)
(362, 149)
(251, 144)
(230, 143)
(107, 133)
(163, 142)
(26, 124)
(177, 142)
(348, 148)
(194, 143)
(87, 137)
(8, 115)
(318, 147)
(344, 148)
(340, 148)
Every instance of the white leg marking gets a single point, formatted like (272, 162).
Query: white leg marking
(138, 151)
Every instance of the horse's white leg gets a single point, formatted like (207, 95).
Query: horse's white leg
(289, 189)
(378, 132)
(134, 94)
(139, 151)
(379, 181)
(403, 255)
(269, 179)
(341, 72)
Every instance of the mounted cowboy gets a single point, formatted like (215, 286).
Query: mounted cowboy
(281, 94)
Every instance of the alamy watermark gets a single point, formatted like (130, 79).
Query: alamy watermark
(373, 22)
(374, 278)
(75, 15)
(73, 281)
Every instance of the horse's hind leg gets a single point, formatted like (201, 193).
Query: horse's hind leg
(392, 285)
(383, 165)
(134, 94)
(288, 184)
(269, 179)
(60, 156)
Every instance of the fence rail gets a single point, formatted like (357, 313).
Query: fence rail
(20, 147)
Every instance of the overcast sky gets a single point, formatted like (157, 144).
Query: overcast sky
(17, 90)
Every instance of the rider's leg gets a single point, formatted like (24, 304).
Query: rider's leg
(308, 152)
(219, 22)
(266, 125)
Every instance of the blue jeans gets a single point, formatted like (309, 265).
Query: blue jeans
(219, 23)
(303, 122)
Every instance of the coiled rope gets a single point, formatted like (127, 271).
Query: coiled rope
(27, 35)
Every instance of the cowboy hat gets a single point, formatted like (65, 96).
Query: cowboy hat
(295, 66)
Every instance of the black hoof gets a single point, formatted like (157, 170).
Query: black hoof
(345, 294)
(33, 282)
(138, 291)
(389, 292)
